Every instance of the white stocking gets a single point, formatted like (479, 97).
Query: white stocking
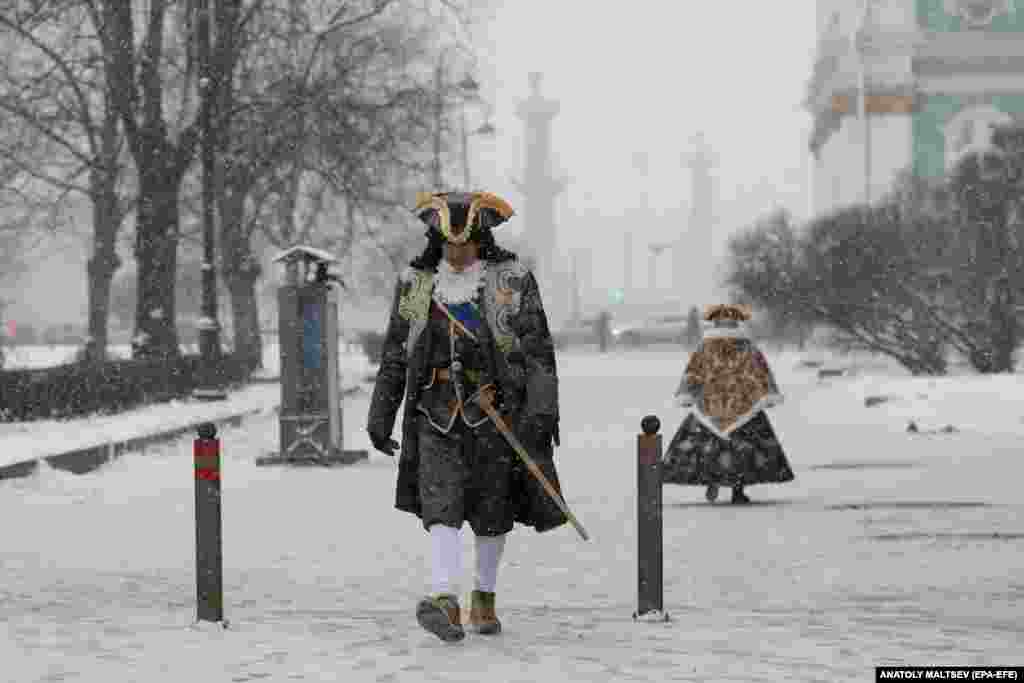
(445, 558)
(488, 556)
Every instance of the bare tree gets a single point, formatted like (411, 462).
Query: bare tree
(150, 67)
(62, 143)
(938, 266)
(322, 125)
(988, 283)
(331, 112)
(850, 271)
(966, 234)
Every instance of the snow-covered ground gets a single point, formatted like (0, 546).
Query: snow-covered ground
(43, 356)
(888, 548)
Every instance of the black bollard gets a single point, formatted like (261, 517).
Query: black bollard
(209, 565)
(649, 522)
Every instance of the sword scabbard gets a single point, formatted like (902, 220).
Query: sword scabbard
(537, 473)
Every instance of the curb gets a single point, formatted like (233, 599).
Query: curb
(85, 460)
(343, 391)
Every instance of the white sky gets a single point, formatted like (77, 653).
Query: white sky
(646, 75)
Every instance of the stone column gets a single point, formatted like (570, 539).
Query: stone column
(540, 188)
(693, 259)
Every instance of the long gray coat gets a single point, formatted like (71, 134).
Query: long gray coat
(521, 359)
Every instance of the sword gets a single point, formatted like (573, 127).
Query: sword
(484, 401)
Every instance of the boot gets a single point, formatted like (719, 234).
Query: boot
(738, 497)
(441, 616)
(482, 616)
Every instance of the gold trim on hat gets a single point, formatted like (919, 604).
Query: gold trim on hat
(486, 200)
(426, 201)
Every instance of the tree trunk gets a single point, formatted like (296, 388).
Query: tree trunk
(241, 271)
(137, 94)
(1003, 320)
(106, 219)
(156, 251)
(245, 316)
(102, 265)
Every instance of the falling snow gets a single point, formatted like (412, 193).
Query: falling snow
(888, 548)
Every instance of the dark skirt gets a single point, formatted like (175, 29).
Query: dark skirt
(698, 457)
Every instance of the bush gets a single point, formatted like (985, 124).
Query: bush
(80, 389)
(855, 271)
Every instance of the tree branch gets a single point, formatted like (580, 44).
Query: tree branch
(31, 119)
(62, 184)
(72, 81)
(335, 24)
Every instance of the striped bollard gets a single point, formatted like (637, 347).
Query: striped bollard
(209, 565)
(650, 591)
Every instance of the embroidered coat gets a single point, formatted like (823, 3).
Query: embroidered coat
(521, 360)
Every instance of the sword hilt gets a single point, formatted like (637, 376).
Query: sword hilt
(456, 373)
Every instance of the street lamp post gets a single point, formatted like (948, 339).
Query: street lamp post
(465, 150)
(437, 178)
(860, 40)
(487, 129)
(469, 89)
(209, 329)
(652, 271)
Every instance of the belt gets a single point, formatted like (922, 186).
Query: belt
(445, 375)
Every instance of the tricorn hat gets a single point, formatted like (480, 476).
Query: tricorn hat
(739, 312)
(460, 216)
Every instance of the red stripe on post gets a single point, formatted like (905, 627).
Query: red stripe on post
(201, 447)
(647, 449)
(206, 474)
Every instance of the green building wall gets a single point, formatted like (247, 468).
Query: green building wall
(931, 16)
(932, 115)
(934, 111)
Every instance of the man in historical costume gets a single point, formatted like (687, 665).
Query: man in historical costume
(467, 322)
(726, 440)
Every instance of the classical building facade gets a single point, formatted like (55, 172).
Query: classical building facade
(936, 76)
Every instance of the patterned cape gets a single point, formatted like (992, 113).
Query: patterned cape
(728, 381)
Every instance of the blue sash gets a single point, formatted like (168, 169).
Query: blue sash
(467, 314)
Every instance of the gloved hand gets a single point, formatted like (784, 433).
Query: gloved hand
(538, 429)
(384, 443)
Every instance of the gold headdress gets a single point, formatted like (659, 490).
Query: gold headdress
(739, 312)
